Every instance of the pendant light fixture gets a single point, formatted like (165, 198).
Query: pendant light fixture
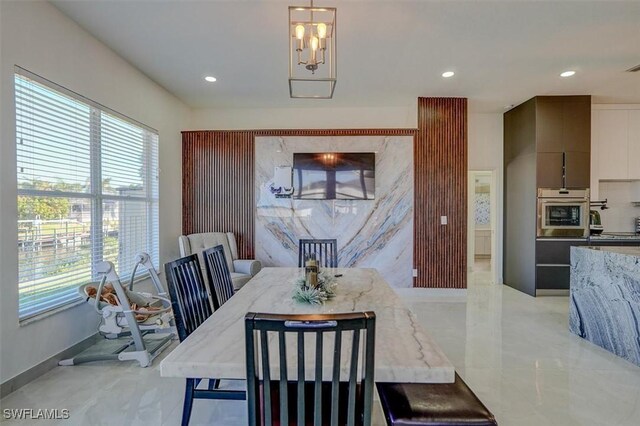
(312, 51)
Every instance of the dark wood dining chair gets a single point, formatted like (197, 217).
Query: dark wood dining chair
(325, 250)
(283, 400)
(191, 307)
(218, 275)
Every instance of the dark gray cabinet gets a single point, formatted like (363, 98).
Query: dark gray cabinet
(577, 169)
(549, 167)
(563, 141)
(553, 260)
(547, 144)
(549, 124)
(576, 123)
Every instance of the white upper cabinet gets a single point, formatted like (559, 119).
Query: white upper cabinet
(634, 144)
(616, 144)
(612, 144)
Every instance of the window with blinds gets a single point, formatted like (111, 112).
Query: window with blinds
(87, 192)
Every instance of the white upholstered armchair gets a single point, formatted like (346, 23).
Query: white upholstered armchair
(242, 270)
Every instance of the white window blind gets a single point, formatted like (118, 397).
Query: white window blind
(87, 192)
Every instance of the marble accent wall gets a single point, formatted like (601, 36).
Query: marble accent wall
(371, 233)
(605, 298)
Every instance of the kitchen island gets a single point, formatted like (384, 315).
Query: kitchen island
(605, 298)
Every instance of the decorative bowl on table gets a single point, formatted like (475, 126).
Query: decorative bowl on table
(325, 289)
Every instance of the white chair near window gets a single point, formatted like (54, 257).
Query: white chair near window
(242, 270)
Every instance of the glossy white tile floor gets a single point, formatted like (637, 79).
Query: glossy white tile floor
(513, 350)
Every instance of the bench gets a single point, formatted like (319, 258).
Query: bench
(431, 404)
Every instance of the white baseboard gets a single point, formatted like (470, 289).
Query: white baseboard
(38, 370)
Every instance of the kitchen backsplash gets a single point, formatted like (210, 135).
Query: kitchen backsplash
(483, 208)
(620, 217)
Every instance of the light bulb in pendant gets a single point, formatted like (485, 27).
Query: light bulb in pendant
(322, 30)
(299, 31)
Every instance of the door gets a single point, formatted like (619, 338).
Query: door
(484, 255)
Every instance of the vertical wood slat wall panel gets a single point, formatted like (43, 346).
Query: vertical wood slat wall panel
(217, 185)
(440, 158)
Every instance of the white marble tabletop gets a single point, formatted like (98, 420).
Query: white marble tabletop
(404, 350)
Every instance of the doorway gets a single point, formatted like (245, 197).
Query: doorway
(482, 207)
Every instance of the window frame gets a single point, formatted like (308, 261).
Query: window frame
(96, 196)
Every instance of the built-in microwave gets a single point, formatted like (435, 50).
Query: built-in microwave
(563, 212)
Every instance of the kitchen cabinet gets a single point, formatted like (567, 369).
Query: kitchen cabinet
(543, 137)
(576, 124)
(483, 242)
(617, 144)
(549, 119)
(563, 141)
(549, 169)
(563, 124)
(577, 169)
(553, 259)
(612, 140)
(634, 144)
(553, 263)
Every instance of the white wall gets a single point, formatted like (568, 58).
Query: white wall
(305, 118)
(486, 153)
(36, 36)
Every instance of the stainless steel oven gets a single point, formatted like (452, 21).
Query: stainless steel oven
(563, 212)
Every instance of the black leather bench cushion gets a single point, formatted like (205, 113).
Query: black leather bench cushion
(433, 404)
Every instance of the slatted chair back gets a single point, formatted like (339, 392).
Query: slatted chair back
(218, 275)
(325, 251)
(350, 401)
(188, 292)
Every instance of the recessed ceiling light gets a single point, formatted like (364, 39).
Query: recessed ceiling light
(448, 74)
(567, 74)
(210, 79)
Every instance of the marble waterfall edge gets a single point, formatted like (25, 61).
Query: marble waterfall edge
(371, 233)
(605, 298)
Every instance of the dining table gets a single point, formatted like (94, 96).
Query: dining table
(404, 350)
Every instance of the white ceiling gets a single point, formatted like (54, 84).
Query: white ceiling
(389, 52)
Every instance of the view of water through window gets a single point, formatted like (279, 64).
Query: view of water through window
(87, 192)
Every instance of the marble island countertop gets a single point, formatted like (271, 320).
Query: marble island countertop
(604, 298)
(624, 250)
(620, 236)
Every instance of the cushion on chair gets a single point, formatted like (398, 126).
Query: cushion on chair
(239, 280)
(433, 404)
(197, 243)
(233, 246)
(246, 266)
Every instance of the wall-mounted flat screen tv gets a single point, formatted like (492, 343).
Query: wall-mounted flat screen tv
(334, 175)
